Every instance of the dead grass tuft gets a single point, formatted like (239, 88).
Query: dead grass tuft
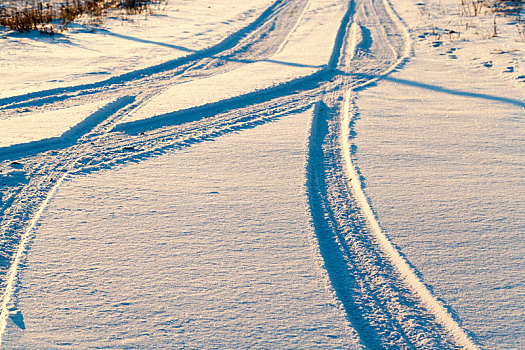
(47, 18)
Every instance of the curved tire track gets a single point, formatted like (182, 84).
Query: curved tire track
(256, 41)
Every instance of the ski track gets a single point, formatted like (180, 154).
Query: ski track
(385, 301)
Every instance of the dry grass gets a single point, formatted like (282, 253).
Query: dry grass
(48, 18)
(26, 19)
(474, 8)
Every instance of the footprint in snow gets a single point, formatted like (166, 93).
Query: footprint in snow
(16, 316)
(16, 165)
(13, 177)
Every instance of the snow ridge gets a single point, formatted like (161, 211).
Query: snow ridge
(406, 271)
(68, 138)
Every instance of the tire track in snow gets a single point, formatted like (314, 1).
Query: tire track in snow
(7, 307)
(68, 138)
(418, 287)
(235, 49)
(386, 302)
(299, 19)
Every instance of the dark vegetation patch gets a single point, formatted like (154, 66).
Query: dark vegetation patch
(50, 17)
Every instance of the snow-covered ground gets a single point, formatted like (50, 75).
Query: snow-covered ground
(87, 53)
(442, 150)
(124, 225)
(211, 247)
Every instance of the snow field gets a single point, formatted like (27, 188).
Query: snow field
(210, 247)
(440, 154)
(444, 175)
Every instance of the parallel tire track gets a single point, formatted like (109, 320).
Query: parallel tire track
(385, 301)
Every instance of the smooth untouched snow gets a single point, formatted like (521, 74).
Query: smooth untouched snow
(211, 247)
